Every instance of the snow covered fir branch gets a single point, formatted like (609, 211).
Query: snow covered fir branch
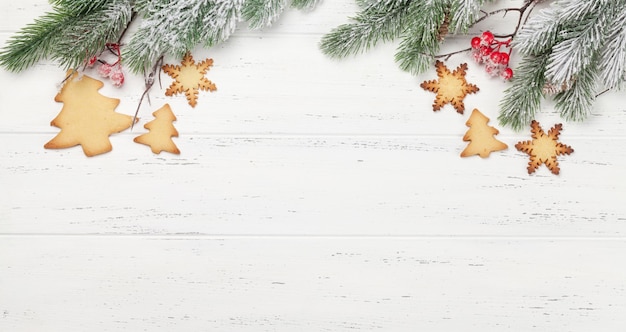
(568, 50)
(77, 30)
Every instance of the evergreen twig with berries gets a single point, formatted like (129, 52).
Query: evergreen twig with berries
(76, 31)
(487, 49)
(568, 48)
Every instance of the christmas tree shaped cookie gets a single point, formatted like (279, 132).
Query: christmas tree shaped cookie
(161, 132)
(543, 149)
(189, 78)
(480, 136)
(451, 87)
(87, 117)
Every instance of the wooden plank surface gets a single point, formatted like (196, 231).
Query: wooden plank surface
(312, 195)
(309, 185)
(69, 283)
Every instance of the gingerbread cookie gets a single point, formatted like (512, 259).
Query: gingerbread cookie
(87, 117)
(161, 132)
(189, 78)
(480, 136)
(543, 149)
(450, 87)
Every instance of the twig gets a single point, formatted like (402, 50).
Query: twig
(521, 10)
(149, 82)
(448, 55)
(133, 15)
(72, 72)
(603, 92)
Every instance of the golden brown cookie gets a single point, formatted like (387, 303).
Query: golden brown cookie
(161, 132)
(189, 78)
(543, 149)
(87, 117)
(480, 136)
(450, 87)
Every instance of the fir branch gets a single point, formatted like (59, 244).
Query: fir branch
(539, 34)
(221, 21)
(523, 98)
(364, 3)
(465, 14)
(579, 46)
(168, 28)
(570, 11)
(304, 4)
(69, 34)
(612, 63)
(262, 13)
(576, 103)
(79, 7)
(379, 21)
(421, 40)
(142, 5)
(583, 42)
(34, 42)
(89, 34)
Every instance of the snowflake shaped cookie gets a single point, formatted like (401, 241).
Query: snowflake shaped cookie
(451, 87)
(544, 149)
(189, 78)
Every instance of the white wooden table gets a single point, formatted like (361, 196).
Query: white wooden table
(310, 195)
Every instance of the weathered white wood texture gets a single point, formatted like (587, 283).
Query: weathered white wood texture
(310, 195)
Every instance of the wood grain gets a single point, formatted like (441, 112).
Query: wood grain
(309, 185)
(310, 284)
(311, 194)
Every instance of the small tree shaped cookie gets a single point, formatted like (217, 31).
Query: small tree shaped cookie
(480, 136)
(87, 117)
(161, 132)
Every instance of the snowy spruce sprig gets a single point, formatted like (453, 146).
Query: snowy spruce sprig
(568, 50)
(77, 30)
(421, 27)
(572, 50)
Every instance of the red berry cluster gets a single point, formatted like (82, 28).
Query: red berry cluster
(486, 49)
(107, 70)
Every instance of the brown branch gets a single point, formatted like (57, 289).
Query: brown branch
(530, 4)
(149, 82)
(133, 15)
(448, 55)
(521, 10)
(603, 92)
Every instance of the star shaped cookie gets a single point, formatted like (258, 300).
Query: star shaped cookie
(189, 78)
(544, 148)
(450, 87)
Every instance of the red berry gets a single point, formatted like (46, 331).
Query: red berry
(496, 57)
(504, 58)
(91, 61)
(493, 70)
(105, 70)
(476, 42)
(487, 37)
(507, 73)
(486, 50)
(478, 58)
(117, 78)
